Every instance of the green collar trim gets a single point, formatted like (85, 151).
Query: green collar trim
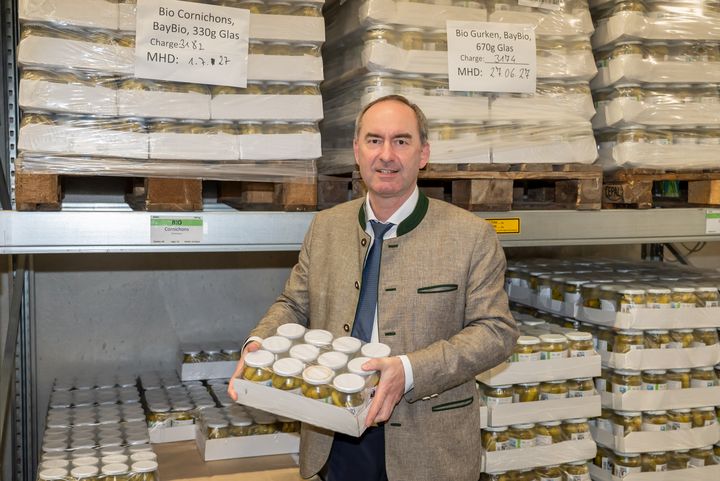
(410, 223)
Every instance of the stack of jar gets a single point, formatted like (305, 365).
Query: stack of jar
(657, 83)
(173, 406)
(313, 364)
(135, 464)
(77, 83)
(375, 49)
(196, 354)
(218, 388)
(576, 471)
(238, 420)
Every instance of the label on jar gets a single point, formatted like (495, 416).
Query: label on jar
(607, 305)
(601, 384)
(583, 353)
(605, 464)
(495, 401)
(577, 477)
(573, 393)
(544, 440)
(657, 305)
(682, 305)
(646, 386)
(503, 445)
(702, 383)
(580, 436)
(602, 345)
(183, 422)
(709, 422)
(550, 478)
(572, 298)
(696, 462)
(635, 347)
(623, 388)
(654, 427)
(677, 426)
(622, 471)
(554, 355)
(674, 384)
(675, 345)
(660, 468)
(522, 357)
(522, 443)
(546, 396)
(697, 344)
(625, 307)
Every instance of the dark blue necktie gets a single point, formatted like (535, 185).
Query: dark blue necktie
(365, 313)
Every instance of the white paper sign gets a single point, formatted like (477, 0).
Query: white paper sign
(191, 42)
(176, 230)
(712, 221)
(491, 57)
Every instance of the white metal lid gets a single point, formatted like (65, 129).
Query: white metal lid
(706, 289)
(84, 471)
(305, 352)
(55, 463)
(347, 344)
(291, 330)
(553, 338)
(52, 474)
(496, 429)
(522, 426)
(627, 372)
(288, 366)
(629, 413)
(241, 421)
(528, 340)
(333, 359)
(85, 461)
(137, 448)
(375, 350)
(259, 358)
(632, 292)
(657, 413)
(81, 453)
(114, 459)
(355, 366)
(683, 289)
(578, 336)
(317, 375)
(630, 332)
(146, 466)
(276, 344)
(657, 331)
(658, 290)
(656, 371)
(576, 421)
(143, 456)
(318, 337)
(115, 468)
(550, 423)
(349, 383)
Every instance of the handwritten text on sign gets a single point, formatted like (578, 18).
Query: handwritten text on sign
(491, 57)
(191, 42)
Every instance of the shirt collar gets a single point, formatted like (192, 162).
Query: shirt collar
(399, 215)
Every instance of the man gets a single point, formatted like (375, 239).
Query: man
(438, 302)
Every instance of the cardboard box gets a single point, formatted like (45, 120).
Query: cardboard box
(707, 473)
(290, 68)
(643, 359)
(439, 107)
(635, 154)
(627, 111)
(196, 371)
(64, 53)
(246, 446)
(519, 459)
(416, 14)
(661, 400)
(172, 434)
(69, 139)
(80, 13)
(170, 146)
(634, 68)
(279, 146)
(303, 409)
(651, 441)
(266, 107)
(644, 318)
(539, 371)
(67, 98)
(539, 411)
(175, 105)
(548, 22)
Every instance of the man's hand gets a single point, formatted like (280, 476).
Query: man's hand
(390, 389)
(252, 346)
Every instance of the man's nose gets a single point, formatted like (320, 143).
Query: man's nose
(387, 152)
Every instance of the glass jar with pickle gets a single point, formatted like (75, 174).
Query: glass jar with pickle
(707, 296)
(627, 340)
(288, 425)
(410, 38)
(705, 336)
(581, 387)
(549, 473)
(703, 377)
(701, 457)
(527, 348)
(526, 392)
(553, 390)
(679, 419)
(240, 426)
(654, 380)
(658, 298)
(683, 297)
(678, 460)
(654, 462)
(348, 390)
(549, 432)
(553, 346)
(703, 416)
(319, 338)
(590, 295)
(316, 383)
(576, 471)
(624, 380)
(626, 422)
(605, 339)
(605, 421)
(287, 374)
(115, 472)
(192, 355)
(522, 436)
(678, 379)
(576, 429)
(371, 377)
(305, 353)
(381, 33)
(626, 463)
(496, 439)
(580, 344)
(655, 421)
(657, 339)
(265, 424)
(217, 429)
(681, 338)
(603, 458)
(258, 367)
(495, 395)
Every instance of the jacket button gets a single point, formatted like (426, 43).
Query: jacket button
(363, 242)
(346, 328)
(357, 285)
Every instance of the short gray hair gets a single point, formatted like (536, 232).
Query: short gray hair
(419, 115)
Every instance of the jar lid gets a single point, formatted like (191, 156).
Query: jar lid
(241, 421)
(259, 358)
(578, 336)
(317, 375)
(85, 471)
(143, 456)
(630, 332)
(683, 330)
(556, 381)
(581, 379)
(706, 289)
(182, 406)
(349, 383)
(115, 459)
(85, 461)
(658, 290)
(55, 463)
(355, 366)
(629, 413)
(627, 455)
(497, 429)
(627, 372)
(347, 344)
(217, 423)
(318, 337)
(52, 474)
(522, 426)
(576, 421)
(304, 352)
(657, 331)
(146, 466)
(333, 359)
(706, 408)
(656, 371)
(632, 292)
(530, 384)
(681, 370)
(656, 453)
(82, 453)
(528, 340)
(375, 350)
(553, 338)
(113, 469)
(550, 423)
(683, 289)
(288, 366)
(703, 369)
(291, 330)
(276, 344)
(656, 413)
(680, 410)
(706, 329)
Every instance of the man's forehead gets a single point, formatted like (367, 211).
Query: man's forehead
(390, 115)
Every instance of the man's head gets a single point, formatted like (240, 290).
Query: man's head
(391, 147)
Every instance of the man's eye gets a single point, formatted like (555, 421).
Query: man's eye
(374, 141)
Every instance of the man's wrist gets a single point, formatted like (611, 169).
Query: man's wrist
(407, 367)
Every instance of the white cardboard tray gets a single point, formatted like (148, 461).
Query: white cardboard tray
(206, 370)
(176, 105)
(643, 359)
(539, 371)
(650, 441)
(81, 13)
(644, 318)
(266, 107)
(172, 434)
(707, 473)
(539, 411)
(67, 98)
(633, 68)
(662, 400)
(626, 111)
(675, 156)
(519, 459)
(246, 446)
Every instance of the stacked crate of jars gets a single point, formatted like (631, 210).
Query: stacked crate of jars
(96, 428)
(376, 48)
(656, 330)
(656, 90)
(539, 405)
(208, 361)
(83, 111)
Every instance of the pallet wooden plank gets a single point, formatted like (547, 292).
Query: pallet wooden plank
(37, 192)
(706, 192)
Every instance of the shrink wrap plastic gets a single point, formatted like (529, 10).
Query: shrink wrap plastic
(84, 113)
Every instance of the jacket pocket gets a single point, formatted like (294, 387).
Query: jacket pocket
(452, 405)
(437, 288)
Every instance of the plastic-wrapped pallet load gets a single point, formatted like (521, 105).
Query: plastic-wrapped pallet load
(380, 47)
(540, 403)
(95, 428)
(656, 331)
(657, 84)
(83, 111)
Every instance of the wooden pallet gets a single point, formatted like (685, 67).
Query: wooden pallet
(34, 192)
(642, 189)
(490, 187)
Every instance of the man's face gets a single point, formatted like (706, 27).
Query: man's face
(388, 150)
